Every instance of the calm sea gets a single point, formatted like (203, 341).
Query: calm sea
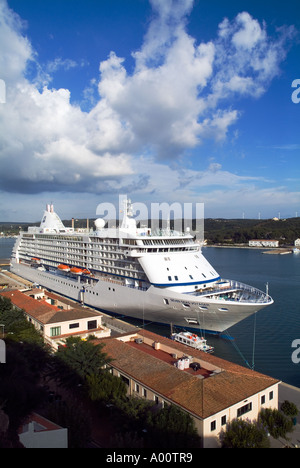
(266, 336)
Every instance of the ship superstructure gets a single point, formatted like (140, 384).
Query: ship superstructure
(158, 276)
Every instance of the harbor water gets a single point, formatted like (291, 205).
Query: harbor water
(264, 340)
(269, 334)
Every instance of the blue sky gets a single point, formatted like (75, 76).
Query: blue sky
(162, 100)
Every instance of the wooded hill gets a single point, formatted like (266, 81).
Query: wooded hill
(240, 231)
(216, 231)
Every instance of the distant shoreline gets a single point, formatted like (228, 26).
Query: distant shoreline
(268, 249)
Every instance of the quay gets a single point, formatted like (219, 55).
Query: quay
(220, 387)
(278, 251)
(292, 394)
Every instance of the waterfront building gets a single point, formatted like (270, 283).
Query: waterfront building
(54, 322)
(158, 369)
(263, 243)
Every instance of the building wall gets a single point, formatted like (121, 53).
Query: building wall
(59, 329)
(210, 428)
(263, 243)
(214, 424)
(44, 439)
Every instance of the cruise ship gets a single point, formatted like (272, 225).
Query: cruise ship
(133, 271)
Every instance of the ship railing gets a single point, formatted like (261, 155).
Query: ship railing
(139, 288)
(245, 292)
(121, 283)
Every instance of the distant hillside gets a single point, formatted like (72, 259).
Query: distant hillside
(239, 231)
(216, 231)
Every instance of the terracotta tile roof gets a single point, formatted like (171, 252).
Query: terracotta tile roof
(44, 424)
(202, 397)
(44, 312)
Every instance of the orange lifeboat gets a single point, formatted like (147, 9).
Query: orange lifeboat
(76, 271)
(86, 272)
(65, 268)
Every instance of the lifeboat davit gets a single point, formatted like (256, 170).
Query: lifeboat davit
(76, 271)
(65, 268)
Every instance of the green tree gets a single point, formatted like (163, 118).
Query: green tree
(20, 393)
(242, 433)
(77, 360)
(289, 409)
(276, 422)
(73, 416)
(172, 428)
(105, 386)
(16, 325)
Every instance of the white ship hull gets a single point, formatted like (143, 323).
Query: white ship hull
(154, 276)
(154, 304)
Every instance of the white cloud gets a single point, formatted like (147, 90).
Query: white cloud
(16, 49)
(172, 101)
(250, 32)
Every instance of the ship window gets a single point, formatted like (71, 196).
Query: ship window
(192, 321)
(166, 301)
(191, 277)
(170, 278)
(176, 278)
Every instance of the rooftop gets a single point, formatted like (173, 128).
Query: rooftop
(44, 312)
(200, 396)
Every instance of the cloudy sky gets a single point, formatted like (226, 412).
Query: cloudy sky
(162, 100)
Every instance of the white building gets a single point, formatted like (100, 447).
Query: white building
(39, 432)
(55, 322)
(213, 395)
(263, 243)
